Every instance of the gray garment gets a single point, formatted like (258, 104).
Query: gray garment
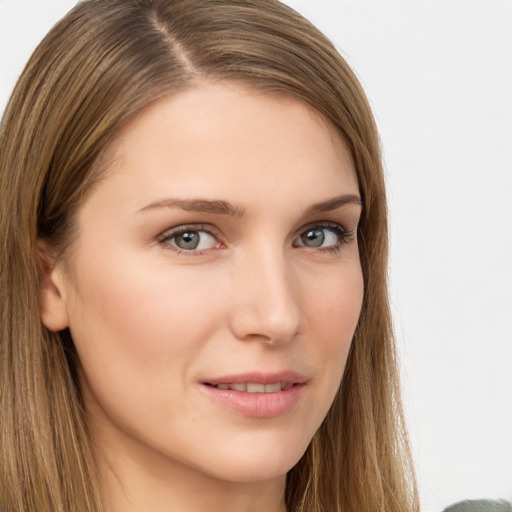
(480, 506)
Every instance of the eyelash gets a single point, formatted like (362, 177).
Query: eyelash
(343, 236)
(168, 235)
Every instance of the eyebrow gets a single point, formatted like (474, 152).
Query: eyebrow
(221, 207)
(334, 204)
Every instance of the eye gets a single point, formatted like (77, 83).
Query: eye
(190, 238)
(323, 236)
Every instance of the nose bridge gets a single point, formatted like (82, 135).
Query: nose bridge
(268, 302)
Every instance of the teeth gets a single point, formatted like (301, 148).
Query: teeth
(255, 387)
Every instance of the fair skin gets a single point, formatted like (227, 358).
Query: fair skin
(220, 251)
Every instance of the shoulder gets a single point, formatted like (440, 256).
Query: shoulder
(480, 506)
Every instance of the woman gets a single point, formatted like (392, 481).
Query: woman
(193, 272)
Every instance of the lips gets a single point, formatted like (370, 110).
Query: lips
(257, 395)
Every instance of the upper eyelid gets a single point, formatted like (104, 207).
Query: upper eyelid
(322, 223)
(325, 224)
(211, 229)
(206, 228)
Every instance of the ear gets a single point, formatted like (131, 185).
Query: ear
(54, 313)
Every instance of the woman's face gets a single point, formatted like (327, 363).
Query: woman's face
(215, 285)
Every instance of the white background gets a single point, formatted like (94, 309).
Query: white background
(439, 76)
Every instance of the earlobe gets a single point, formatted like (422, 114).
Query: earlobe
(54, 313)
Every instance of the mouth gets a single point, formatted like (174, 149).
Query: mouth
(257, 395)
(253, 387)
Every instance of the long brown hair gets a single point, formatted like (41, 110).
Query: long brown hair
(97, 68)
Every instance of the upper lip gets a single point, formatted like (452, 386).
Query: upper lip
(288, 376)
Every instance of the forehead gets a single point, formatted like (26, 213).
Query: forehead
(217, 138)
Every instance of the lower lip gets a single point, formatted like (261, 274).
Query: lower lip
(257, 405)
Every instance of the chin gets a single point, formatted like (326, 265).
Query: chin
(256, 462)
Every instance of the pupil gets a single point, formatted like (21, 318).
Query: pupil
(188, 240)
(314, 238)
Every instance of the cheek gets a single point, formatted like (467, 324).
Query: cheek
(333, 310)
(137, 305)
(334, 305)
(137, 324)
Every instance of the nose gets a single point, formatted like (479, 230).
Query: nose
(267, 304)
